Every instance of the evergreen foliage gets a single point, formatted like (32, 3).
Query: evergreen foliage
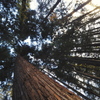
(55, 23)
(59, 40)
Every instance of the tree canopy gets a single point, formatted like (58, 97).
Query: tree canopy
(55, 32)
(62, 36)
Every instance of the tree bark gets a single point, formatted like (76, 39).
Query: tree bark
(32, 84)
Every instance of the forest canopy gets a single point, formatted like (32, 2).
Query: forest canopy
(57, 32)
(61, 37)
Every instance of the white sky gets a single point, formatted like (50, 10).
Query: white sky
(33, 4)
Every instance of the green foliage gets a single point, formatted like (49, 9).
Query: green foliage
(23, 6)
(65, 31)
(55, 34)
(16, 25)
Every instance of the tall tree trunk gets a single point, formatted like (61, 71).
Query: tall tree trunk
(31, 84)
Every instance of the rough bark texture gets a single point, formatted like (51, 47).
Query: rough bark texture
(32, 84)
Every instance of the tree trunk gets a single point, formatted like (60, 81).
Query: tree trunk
(31, 84)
